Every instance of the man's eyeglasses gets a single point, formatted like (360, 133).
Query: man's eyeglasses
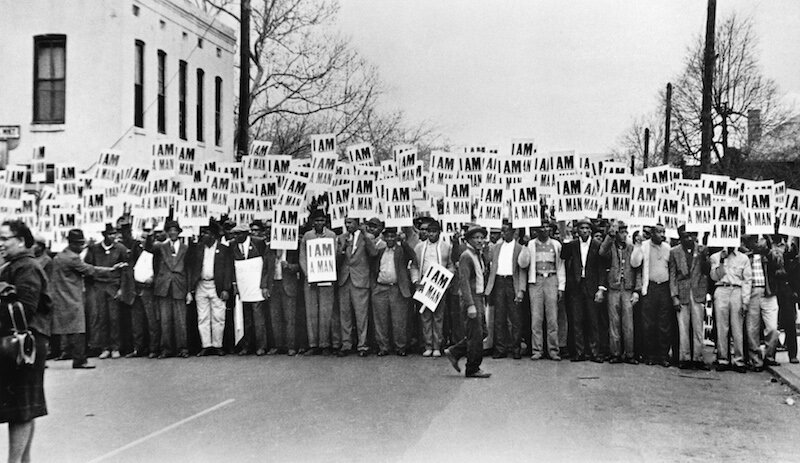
(6, 238)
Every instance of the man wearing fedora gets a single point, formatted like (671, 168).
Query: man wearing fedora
(472, 281)
(170, 287)
(323, 331)
(210, 282)
(107, 290)
(66, 289)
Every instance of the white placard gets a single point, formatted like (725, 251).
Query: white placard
(321, 258)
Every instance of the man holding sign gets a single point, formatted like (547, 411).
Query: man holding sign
(355, 247)
(319, 296)
(391, 292)
(733, 275)
(252, 271)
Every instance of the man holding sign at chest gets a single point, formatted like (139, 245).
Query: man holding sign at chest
(354, 247)
(252, 270)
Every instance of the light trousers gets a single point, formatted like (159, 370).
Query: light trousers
(729, 316)
(544, 305)
(761, 308)
(210, 314)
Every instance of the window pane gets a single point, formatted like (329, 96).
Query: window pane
(44, 102)
(43, 62)
(58, 61)
(58, 106)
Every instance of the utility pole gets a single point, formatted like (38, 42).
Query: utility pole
(667, 121)
(646, 148)
(708, 81)
(244, 81)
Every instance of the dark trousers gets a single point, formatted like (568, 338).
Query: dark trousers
(74, 344)
(638, 329)
(657, 318)
(584, 320)
(283, 316)
(145, 321)
(173, 325)
(787, 318)
(104, 319)
(255, 326)
(456, 316)
(471, 345)
(505, 311)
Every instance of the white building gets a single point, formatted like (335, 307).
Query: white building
(82, 76)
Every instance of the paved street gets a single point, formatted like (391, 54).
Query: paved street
(408, 409)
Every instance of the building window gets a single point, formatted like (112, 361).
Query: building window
(200, 83)
(218, 111)
(135, 10)
(162, 91)
(49, 78)
(182, 99)
(138, 86)
(199, 42)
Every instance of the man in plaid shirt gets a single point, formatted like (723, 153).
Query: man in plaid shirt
(763, 304)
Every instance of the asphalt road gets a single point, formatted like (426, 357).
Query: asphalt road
(409, 410)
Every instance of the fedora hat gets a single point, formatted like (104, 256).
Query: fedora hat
(75, 236)
(172, 224)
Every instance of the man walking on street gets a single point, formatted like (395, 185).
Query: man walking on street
(472, 282)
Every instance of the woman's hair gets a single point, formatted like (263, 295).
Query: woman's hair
(21, 230)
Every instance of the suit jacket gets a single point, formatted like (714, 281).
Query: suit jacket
(171, 277)
(595, 265)
(257, 248)
(517, 273)
(223, 267)
(632, 276)
(310, 235)
(96, 255)
(688, 278)
(403, 258)
(355, 265)
(290, 273)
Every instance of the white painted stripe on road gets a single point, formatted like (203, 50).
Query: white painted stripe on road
(161, 431)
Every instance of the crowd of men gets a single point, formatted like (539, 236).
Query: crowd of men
(592, 294)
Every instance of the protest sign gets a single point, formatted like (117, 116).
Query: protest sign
(248, 279)
(664, 175)
(699, 209)
(591, 198)
(434, 284)
(442, 169)
(671, 213)
(491, 205)
(321, 256)
(278, 164)
(266, 190)
(360, 154)
(726, 229)
(569, 203)
(406, 161)
(523, 147)
(525, 205)
(399, 210)
(323, 143)
(194, 205)
(470, 166)
(562, 162)
(339, 204)
(759, 208)
(185, 161)
(779, 191)
(323, 169)
(285, 227)
(293, 191)
(457, 203)
(616, 195)
(790, 214)
(259, 149)
(164, 157)
(362, 197)
(219, 190)
(38, 165)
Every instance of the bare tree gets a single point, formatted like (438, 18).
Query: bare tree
(631, 143)
(739, 86)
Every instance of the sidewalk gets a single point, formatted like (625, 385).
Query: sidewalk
(788, 373)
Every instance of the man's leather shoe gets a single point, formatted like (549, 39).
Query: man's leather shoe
(104, 355)
(740, 369)
(83, 366)
(555, 358)
(272, 351)
(499, 355)
(453, 360)
(631, 361)
(64, 356)
(203, 352)
(152, 355)
(758, 369)
(615, 360)
(383, 353)
(702, 366)
(311, 351)
(184, 354)
(401, 353)
(163, 355)
(664, 363)
(326, 352)
(221, 352)
(598, 359)
(723, 367)
(578, 358)
(478, 374)
(771, 363)
(261, 352)
(342, 353)
(794, 360)
(291, 353)
(683, 365)
(363, 353)
(516, 355)
(133, 355)
(244, 352)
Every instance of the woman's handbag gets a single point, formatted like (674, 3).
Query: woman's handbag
(17, 344)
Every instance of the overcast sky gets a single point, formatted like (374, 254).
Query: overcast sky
(570, 74)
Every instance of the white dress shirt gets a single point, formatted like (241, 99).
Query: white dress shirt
(505, 267)
(208, 261)
(584, 255)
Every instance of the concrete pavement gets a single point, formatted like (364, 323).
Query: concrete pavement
(407, 409)
(787, 373)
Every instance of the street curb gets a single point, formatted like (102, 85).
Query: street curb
(786, 377)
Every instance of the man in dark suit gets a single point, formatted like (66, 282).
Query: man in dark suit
(585, 289)
(211, 284)
(170, 287)
(391, 292)
(354, 248)
(283, 300)
(104, 314)
(505, 288)
(246, 247)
